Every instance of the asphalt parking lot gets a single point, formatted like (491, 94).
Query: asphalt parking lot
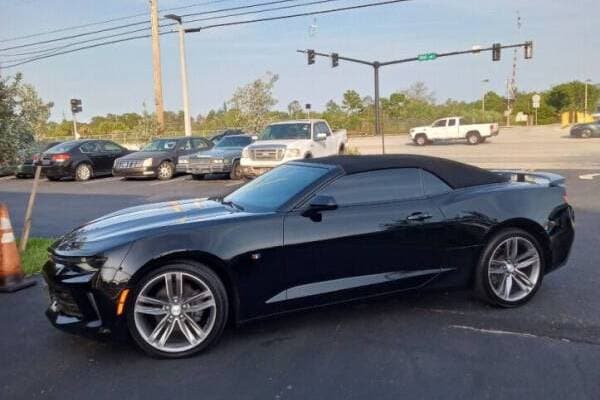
(425, 345)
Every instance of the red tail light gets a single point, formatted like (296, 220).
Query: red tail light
(61, 157)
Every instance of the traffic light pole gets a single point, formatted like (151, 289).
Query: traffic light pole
(75, 132)
(376, 65)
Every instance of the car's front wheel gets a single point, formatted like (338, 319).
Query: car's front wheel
(421, 140)
(586, 134)
(165, 171)
(510, 269)
(236, 171)
(178, 310)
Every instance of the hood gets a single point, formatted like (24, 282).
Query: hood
(142, 155)
(134, 223)
(277, 143)
(218, 153)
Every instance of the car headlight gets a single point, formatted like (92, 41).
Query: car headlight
(246, 153)
(292, 153)
(217, 161)
(147, 162)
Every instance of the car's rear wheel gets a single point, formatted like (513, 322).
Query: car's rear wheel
(178, 310)
(165, 171)
(421, 140)
(511, 268)
(83, 172)
(53, 178)
(236, 171)
(586, 133)
(473, 138)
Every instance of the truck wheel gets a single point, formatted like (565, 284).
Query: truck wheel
(421, 140)
(473, 138)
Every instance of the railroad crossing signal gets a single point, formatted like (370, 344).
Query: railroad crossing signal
(496, 48)
(76, 106)
(427, 57)
(311, 56)
(335, 60)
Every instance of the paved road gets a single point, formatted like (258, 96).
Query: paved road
(430, 345)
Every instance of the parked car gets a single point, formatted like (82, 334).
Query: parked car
(586, 130)
(286, 141)
(306, 234)
(228, 132)
(27, 168)
(159, 158)
(81, 159)
(223, 158)
(452, 129)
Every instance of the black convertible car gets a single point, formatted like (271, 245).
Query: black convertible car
(307, 234)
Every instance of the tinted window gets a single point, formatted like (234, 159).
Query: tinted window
(451, 122)
(321, 127)
(185, 144)
(90, 147)
(62, 147)
(234, 141)
(434, 185)
(112, 147)
(286, 131)
(376, 186)
(270, 191)
(441, 122)
(161, 145)
(199, 144)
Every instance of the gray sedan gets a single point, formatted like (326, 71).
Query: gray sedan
(224, 158)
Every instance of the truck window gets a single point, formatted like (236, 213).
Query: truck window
(321, 127)
(286, 131)
(452, 122)
(439, 123)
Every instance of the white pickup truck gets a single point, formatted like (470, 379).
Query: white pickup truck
(281, 142)
(453, 128)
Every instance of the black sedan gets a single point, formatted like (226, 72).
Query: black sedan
(159, 158)
(586, 130)
(80, 159)
(27, 168)
(307, 234)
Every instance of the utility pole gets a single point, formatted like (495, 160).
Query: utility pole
(484, 93)
(157, 74)
(75, 108)
(585, 106)
(376, 65)
(184, 79)
(512, 88)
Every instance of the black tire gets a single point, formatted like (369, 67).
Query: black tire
(483, 286)
(342, 150)
(198, 177)
(473, 138)
(165, 171)
(84, 172)
(421, 140)
(210, 279)
(236, 171)
(586, 134)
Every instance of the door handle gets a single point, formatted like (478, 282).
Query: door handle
(418, 216)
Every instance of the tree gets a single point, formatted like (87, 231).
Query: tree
(418, 91)
(352, 102)
(295, 109)
(254, 101)
(570, 96)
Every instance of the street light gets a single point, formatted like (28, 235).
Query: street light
(585, 106)
(484, 93)
(184, 80)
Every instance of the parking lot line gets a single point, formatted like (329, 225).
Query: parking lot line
(232, 184)
(103, 180)
(181, 178)
(588, 177)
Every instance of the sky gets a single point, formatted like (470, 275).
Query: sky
(118, 78)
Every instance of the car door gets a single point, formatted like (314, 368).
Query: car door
(184, 147)
(112, 152)
(452, 129)
(95, 154)
(380, 238)
(438, 129)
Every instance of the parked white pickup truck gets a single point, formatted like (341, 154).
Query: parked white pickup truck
(281, 142)
(453, 128)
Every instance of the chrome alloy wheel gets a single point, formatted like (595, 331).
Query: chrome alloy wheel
(165, 171)
(175, 312)
(514, 268)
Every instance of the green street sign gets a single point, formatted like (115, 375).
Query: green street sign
(427, 56)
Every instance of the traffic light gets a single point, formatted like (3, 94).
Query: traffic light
(335, 60)
(528, 49)
(76, 106)
(311, 56)
(496, 47)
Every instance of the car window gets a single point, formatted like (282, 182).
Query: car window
(432, 185)
(451, 122)
(286, 131)
(112, 147)
(62, 147)
(376, 186)
(199, 144)
(234, 141)
(322, 128)
(185, 144)
(90, 147)
(440, 123)
(160, 145)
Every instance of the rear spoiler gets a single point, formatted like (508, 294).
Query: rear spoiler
(532, 177)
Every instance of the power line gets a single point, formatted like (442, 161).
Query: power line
(107, 21)
(244, 22)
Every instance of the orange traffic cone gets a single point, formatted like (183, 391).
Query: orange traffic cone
(11, 274)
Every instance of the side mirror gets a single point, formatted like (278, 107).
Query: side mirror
(320, 136)
(320, 203)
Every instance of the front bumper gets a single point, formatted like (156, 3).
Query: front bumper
(254, 172)
(204, 168)
(136, 172)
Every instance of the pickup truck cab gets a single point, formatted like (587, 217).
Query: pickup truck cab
(281, 142)
(453, 128)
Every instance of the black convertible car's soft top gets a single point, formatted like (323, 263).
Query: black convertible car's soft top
(455, 174)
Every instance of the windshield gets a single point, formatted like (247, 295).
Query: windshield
(286, 131)
(272, 190)
(161, 145)
(62, 147)
(234, 141)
